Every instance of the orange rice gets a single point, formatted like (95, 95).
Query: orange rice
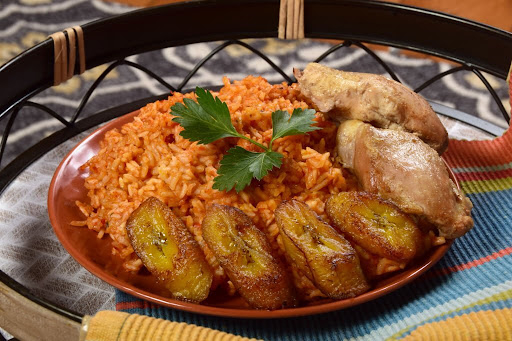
(148, 157)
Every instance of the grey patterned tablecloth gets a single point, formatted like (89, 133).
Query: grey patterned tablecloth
(29, 251)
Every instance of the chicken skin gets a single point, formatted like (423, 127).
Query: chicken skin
(374, 99)
(399, 167)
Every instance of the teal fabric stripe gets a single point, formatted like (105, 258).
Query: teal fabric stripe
(492, 214)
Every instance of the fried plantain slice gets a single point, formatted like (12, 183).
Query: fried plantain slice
(319, 251)
(168, 250)
(378, 226)
(246, 256)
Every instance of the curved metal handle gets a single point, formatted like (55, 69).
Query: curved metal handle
(176, 24)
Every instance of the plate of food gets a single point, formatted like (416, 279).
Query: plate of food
(263, 200)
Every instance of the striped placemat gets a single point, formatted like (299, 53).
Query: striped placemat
(474, 276)
(467, 294)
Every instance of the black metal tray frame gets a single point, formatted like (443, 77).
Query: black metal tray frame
(476, 47)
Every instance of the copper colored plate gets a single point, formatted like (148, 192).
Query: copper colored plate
(95, 254)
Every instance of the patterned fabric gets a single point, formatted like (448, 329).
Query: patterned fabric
(473, 279)
(31, 253)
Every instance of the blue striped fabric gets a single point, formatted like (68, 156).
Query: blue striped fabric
(430, 298)
(474, 275)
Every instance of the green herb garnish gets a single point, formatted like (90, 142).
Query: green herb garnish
(208, 120)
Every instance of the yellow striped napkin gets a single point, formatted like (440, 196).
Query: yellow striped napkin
(115, 325)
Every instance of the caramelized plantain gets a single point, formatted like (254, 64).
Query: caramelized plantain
(378, 226)
(319, 251)
(246, 256)
(168, 250)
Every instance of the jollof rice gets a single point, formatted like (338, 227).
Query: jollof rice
(148, 157)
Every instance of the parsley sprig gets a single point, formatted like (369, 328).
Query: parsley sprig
(209, 120)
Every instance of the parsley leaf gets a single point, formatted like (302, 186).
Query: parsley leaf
(239, 166)
(299, 123)
(206, 121)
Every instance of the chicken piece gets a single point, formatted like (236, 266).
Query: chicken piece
(319, 252)
(169, 251)
(398, 166)
(374, 99)
(246, 256)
